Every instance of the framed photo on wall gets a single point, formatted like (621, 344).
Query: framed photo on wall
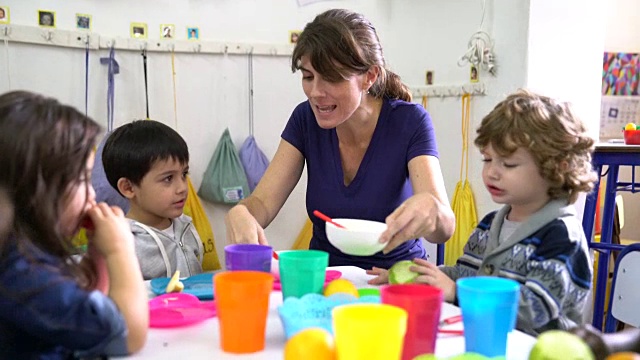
(429, 77)
(83, 21)
(138, 30)
(167, 31)
(473, 74)
(193, 33)
(293, 36)
(47, 18)
(5, 15)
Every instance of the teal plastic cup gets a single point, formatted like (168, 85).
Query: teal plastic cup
(489, 311)
(302, 272)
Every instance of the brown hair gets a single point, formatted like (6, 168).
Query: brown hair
(341, 43)
(551, 132)
(44, 147)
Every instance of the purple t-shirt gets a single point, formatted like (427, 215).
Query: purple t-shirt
(404, 131)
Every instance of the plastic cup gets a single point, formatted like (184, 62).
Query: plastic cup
(248, 257)
(368, 292)
(423, 304)
(242, 299)
(369, 331)
(489, 310)
(302, 272)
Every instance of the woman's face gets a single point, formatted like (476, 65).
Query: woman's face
(2, 15)
(332, 102)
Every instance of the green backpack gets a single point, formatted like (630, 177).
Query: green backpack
(224, 180)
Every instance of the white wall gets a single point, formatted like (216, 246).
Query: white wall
(566, 66)
(623, 35)
(212, 89)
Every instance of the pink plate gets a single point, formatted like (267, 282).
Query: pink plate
(180, 309)
(328, 277)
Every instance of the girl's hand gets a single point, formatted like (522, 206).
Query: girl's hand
(243, 228)
(111, 233)
(101, 268)
(431, 275)
(382, 276)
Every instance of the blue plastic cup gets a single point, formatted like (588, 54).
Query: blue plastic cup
(489, 311)
(248, 257)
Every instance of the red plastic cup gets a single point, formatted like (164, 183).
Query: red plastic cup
(423, 304)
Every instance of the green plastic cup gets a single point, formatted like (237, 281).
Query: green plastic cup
(369, 292)
(302, 272)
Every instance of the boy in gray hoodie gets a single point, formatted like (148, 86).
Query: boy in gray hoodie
(537, 159)
(148, 163)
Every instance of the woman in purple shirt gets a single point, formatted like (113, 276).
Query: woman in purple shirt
(370, 153)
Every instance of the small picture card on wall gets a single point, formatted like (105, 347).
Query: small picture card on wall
(193, 33)
(5, 15)
(473, 74)
(429, 77)
(47, 18)
(167, 31)
(293, 36)
(83, 21)
(138, 30)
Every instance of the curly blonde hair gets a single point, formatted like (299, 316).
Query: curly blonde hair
(556, 138)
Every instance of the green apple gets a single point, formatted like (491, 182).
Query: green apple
(400, 273)
(560, 345)
(470, 356)
(465, 356)
(425, 357)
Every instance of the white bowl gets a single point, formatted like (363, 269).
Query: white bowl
(360, 237)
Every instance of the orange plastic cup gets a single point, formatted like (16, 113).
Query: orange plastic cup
(242, 299)
(369, 331)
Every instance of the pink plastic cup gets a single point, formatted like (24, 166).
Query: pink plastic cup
(423, 304)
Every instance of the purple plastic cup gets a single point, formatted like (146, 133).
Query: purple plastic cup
(248, 257)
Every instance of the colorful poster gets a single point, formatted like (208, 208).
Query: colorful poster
(621, 74)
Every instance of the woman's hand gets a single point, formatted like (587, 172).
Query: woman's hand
(431, 275)
(243, 228)
(382, 276)
(427, 213)
(416, 217)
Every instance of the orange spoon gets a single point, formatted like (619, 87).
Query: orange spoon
(326, 218)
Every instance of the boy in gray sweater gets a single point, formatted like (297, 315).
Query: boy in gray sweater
(537, 159)
(148, 163)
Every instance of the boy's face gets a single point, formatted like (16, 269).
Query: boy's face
(516, 181)
(161, 195)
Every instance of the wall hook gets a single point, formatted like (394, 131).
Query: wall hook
(226, 49)
(197, 48)
(47, 35)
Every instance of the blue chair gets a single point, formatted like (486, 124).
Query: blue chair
(624, 300)
(612, 157)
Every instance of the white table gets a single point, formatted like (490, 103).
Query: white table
(201, 341)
